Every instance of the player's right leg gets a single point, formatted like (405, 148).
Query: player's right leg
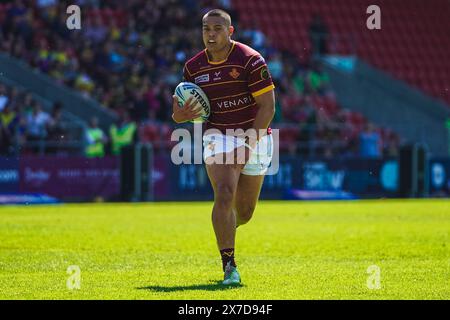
(224, 179)
(223, 172)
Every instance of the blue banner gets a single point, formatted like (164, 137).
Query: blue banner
(439, 177)
(9, 175)
(345, 178)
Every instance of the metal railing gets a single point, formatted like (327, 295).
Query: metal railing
(45, 147)
(304, 142)
(70, 143)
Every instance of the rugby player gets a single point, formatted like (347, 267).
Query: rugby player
(239, 86)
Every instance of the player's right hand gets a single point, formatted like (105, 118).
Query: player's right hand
(188, 112)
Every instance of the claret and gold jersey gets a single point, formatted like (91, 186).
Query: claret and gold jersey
(231, 85)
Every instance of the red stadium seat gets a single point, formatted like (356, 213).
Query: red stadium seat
(400, 46)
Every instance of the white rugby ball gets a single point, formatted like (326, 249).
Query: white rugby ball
(185, 90)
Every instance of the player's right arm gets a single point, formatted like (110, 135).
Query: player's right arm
(189, 111)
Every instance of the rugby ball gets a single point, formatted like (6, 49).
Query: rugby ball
(185, 90)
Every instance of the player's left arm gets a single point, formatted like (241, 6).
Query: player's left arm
(266, 110)
(261, 87)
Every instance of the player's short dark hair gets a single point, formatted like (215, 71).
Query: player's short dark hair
(218, 13)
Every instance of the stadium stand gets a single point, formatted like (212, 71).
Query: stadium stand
(129, 56)
(413, 53)
(26, 128)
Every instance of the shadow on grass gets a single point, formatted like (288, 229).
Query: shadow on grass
(211, 286)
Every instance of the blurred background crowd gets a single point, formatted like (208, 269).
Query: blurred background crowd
(129, 56)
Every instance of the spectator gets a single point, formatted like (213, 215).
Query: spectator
(275, 65)
(95, 30)
(307, 119)
(8, 118)
(26, 107)
(84, 83)
(5, 140)
(8, 121)
(46, 3)
(318, 36)
(278, 116)
(290, 101)
(307, 113)
(317, 80)
(17, 9)
(95, 140)
(123, 133)
(37, 123)
(370, 142)
(391, 148)
(4, 99)
(298, 81)
(256, 38)
(56, 131)
(55, 127)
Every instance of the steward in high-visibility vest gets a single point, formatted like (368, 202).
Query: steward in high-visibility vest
(122, 136)
(95, 141)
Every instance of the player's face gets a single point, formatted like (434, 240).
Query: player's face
(216, 34)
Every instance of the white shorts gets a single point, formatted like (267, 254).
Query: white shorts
(259, 160)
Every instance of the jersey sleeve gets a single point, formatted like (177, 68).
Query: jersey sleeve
(186, 74)
(259, 78)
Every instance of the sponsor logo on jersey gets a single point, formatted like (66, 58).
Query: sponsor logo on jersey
(234, 73)
(234, 103)
(217, 76)
(265, 74)
(201, 79)
(260, 59)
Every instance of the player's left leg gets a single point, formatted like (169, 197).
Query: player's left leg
(251, 180)
(246, 197)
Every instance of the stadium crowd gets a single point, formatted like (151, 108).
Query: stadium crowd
(23, 119)
(129, 56)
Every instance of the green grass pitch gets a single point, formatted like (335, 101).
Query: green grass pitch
(290, 250)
